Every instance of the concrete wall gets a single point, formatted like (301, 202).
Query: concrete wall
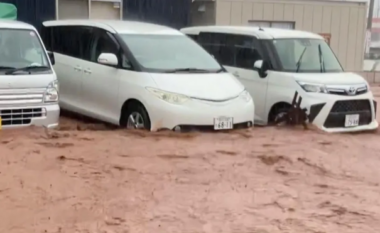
(345, 21)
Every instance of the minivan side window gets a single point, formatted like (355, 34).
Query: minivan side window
(220, 45)
(72, 41)
(46, 37)
(103, 43)
(232, 50)
(246, 51)
(194, 37)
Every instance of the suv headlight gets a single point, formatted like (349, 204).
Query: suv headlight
(168, 96)
(245, 96)
(313, 87)
(51, 93)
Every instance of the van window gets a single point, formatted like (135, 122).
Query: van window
(71, 40)
(102, 44)
(232, 50)
(315, 53)
(194, 37)
(21, 48)
(246, 51)
(162, 53)
(220, 46)
(46, 37)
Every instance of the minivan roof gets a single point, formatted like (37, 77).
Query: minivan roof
(261, 33)
(6, 23)
(117, 26)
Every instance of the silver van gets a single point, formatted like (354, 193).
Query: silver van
(28, 84)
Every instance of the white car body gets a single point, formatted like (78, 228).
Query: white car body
(336, 101)
(28, 83)
(108, 85)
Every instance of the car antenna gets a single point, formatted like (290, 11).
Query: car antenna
(260, 29)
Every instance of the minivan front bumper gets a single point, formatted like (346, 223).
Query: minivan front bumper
(37, 115)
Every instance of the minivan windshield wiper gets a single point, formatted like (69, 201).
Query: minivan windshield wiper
(195, 70)
(321, 61)
(298, 64)
(6, 67)
(26, 68)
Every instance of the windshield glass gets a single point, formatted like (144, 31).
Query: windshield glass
(169, 52)
(21, 48)
(308, 55)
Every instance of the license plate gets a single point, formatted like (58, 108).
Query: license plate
(221, 123)
(351, 120)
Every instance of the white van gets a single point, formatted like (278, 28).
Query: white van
(275, 63)
(28, 84)
(140, 75)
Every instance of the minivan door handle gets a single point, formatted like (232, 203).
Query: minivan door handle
(236, 74)
(88, 71)
(78, 68)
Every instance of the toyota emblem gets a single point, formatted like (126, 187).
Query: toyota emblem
(352, 90)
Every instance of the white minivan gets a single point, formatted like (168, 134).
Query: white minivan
(140, 75)
(28, 84)
(275, 63)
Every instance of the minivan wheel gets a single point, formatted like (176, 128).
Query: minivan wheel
(136, 117)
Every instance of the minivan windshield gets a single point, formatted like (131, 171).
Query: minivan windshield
(21, 48)
(306, 55)
(165, 53)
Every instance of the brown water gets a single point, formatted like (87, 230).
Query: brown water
(86, 178)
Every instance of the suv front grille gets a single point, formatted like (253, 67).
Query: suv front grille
(337, 115)
(21, 116)
(347, 106)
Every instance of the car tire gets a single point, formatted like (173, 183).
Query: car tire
(136, 113)
(278, 114)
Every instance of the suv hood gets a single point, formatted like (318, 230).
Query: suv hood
(330, 78)
(209, 86)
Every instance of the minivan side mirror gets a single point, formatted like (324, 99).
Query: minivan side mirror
(51, 57)
(109, 59)
(258, 65)
(261, 66)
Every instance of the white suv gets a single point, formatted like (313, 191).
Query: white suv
(275, 63)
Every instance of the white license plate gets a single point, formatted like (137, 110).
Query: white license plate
(221, 123)
(351, 120)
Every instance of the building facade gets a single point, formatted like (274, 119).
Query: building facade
(342, 23)
(174, 13)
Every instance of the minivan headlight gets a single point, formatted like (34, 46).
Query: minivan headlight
(51, 93)
(313, 87)
(245, 96)
(170, 97)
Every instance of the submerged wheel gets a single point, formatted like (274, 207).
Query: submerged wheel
(136, 117)
(278, 112)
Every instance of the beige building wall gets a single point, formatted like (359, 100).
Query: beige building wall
(345, 21)
(89, 9)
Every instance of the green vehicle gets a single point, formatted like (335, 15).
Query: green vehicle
(8, 11)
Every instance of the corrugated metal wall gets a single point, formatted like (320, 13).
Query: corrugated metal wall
(173, 13)
(34, 11)
(345, 21)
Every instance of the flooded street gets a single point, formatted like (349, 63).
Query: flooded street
(86, 178)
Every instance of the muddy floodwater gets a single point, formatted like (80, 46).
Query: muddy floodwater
(88, 178)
